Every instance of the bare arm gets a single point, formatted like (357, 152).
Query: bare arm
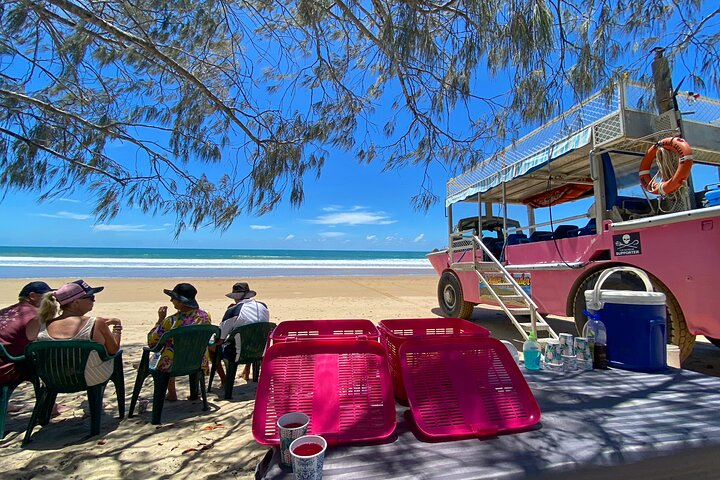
(157, 331)
(103, 335)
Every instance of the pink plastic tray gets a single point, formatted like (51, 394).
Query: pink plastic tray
(309, 329)
(393, 333)
(343, 386)
(466, 387)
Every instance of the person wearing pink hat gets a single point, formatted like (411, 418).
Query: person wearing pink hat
(63, 316)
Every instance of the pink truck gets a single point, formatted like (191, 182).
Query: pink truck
(587, 162)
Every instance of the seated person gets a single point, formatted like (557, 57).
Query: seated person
(19, 326)
(188, 313)
(245, 311)
(62, 316)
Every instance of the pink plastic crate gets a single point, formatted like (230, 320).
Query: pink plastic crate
(343, 386)
(314, 329)
(393, 333)
(466, 387)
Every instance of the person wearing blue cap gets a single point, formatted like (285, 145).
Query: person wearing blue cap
(19, 326)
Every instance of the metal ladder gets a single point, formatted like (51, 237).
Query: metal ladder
(537, 323)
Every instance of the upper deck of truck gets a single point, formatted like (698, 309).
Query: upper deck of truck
(621, 121)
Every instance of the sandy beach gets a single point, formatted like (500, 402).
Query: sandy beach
(190, 443)
(217, 443)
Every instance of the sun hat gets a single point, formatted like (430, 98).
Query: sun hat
(241, 291)
(75, 291)
(184, 293)
(34, 287)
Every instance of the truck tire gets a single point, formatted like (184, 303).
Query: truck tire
(677, 330)
(450, 297)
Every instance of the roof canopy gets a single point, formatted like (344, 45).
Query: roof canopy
(558, 152)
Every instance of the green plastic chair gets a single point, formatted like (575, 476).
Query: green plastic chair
(190, 343)
(6, 389)
(59, 367)
(253, 340)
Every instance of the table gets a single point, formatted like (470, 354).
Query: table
(589, 419)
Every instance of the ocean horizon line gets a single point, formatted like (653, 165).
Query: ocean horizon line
(130, 262)
(73, 247)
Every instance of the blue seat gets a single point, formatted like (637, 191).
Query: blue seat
(516, 238)
(562, 231)
(612, 199)
(589, 229)
(538, 236)
(494, 245)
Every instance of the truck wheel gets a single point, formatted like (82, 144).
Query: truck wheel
(450, 298)
(677, 330)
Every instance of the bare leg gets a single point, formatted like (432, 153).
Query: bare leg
(246, 372)
(58, 409)
(171, 393)
(219, 366)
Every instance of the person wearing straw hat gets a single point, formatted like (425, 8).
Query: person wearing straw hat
(246, 310)
(188, 313)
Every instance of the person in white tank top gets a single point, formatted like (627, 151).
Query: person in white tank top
(62, 316)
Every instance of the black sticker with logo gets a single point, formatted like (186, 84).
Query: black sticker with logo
(627, 244)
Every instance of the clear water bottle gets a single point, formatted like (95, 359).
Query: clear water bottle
(596, 334)
(531, 353)
(154, 359)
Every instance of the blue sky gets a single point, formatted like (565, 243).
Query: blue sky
(351, 207)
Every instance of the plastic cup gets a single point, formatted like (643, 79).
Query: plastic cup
(552, 353)
(566, 344)
(292, 425)
(583, 353)
(569, 363)
(308, 457)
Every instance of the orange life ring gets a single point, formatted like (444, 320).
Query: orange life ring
(685, 161)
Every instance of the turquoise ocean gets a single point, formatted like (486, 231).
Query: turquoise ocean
(88, 262)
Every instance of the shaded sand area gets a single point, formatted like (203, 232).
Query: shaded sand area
(217, 443)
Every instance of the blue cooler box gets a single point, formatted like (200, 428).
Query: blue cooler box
(636, 328)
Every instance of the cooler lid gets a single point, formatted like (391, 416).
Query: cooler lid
(627, 297)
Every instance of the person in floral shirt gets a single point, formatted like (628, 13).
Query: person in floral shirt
(188, 313)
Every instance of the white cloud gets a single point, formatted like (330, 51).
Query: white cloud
(104, 227)
(260, 227)
(70, 200)
(354, 218)
(65, 215)
(338, 208)
(371, 237)
(331, 234)
(290, 237)
(419, 238)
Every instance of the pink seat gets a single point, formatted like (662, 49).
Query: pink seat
(465, 387)
(343, 386)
